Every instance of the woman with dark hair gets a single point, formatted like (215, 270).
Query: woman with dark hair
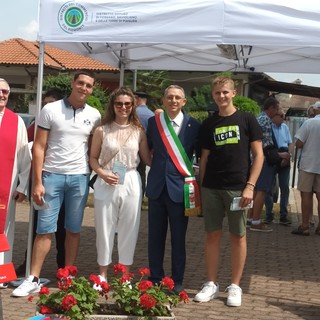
(115, 154)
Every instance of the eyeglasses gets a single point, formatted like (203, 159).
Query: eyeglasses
(177, 98)
(5, 91)
(119, 104)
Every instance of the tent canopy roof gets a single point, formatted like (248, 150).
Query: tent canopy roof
(209, 35)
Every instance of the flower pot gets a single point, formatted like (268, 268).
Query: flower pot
(114, 316)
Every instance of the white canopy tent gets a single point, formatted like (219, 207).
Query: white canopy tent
(198, 35)
(186, 35)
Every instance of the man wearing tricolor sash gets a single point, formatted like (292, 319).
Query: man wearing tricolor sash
(15, 159)
(171, 187)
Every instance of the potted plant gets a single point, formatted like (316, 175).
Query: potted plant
(76, 299)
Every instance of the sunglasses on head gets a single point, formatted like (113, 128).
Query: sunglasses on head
(119, 104)
(5, 91)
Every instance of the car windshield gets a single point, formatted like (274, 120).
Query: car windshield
(296, 112)
(27, 118)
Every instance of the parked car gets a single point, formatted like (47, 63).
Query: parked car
(296, 113)
(28, 119)
(294, 118)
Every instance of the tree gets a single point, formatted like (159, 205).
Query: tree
(153, 82)
(202, 98)
(99, 98)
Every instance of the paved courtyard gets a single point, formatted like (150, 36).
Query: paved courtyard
(281, 278)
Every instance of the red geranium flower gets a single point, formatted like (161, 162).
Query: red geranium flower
(73, 270)
(62, 273)
(95, 279)
(168, 282)
(126, 277)
(144, 285)
(30, 298)
(183, 296)
(64, 284)
(44, 290)
(68, 302)
(147, 301)
(144, 272)
(45, 310)
(119, 268)
(105, 286)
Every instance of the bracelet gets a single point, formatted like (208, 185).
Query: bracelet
(251, 189)
(251, 184)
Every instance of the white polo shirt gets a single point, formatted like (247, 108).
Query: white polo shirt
(69, 130)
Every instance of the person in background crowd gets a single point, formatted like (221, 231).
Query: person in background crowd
(61, 173)
(312, 222)
(226, 174)
(157, 111)
(307, 139)
(212, 109)
(264, 183)
(144, 114)
(50, 96)
(284, 141)
(310, 112)
(165, 188)
(116, 147)
(15, 165)
(143, 111)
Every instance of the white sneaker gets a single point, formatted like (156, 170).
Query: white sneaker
(234, 295)
(26, 287)
(97, 287)
(4, 285)
(209, 291)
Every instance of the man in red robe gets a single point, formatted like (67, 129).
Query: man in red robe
(15, 159)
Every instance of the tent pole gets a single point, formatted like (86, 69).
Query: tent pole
(121, 74)
(38, 108)
(40, 79)
(135, 76)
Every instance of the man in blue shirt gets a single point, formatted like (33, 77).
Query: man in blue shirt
(264, 183)
(144, 113)
(284, 142)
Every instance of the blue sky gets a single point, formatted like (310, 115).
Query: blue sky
(19, 20)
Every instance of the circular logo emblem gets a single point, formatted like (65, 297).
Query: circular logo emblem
(72, 16)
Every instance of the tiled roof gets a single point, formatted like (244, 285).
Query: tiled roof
(21, 52)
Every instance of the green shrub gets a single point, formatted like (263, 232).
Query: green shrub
(95, 103)
(199, 115)
(246, 104)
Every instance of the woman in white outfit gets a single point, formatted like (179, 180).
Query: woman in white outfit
(117, 146)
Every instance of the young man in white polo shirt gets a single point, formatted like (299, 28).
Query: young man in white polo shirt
(61, 172)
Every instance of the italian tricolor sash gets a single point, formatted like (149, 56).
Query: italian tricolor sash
(182, 162)
(8, 142)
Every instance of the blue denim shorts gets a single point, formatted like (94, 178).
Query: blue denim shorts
(73, 189)
(266, 177)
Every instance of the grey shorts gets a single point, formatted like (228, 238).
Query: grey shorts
(308, 181)
(216, 205)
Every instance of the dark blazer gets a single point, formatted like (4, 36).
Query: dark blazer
(163, 171)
